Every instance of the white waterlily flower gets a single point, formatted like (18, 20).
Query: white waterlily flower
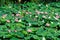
(19, 12)
(39, 5)
(56, 18)
(49, 17)
(56, 13)
(30, 15)
(46, 5)
(44, 16)
(20, 20)
(43, 21)
(52, 22)
(10, 6)
(36, 16)
(19, 0)
(29, 24)
(43, 38)
(58, 23)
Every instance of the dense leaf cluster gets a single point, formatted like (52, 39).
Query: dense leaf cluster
(2, 2)
(30, 22)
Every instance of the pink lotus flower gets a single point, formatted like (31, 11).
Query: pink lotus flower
(45, 13)
(16, 20)
(27, 12)
(4, 15)
(38, 12)
(57, 16)
(12, 14)
(17, 14)
(15, 30)
(8, 21)
(9, 30)
(29, 30)
(44, 16)
(47, 24)
(30, 13)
